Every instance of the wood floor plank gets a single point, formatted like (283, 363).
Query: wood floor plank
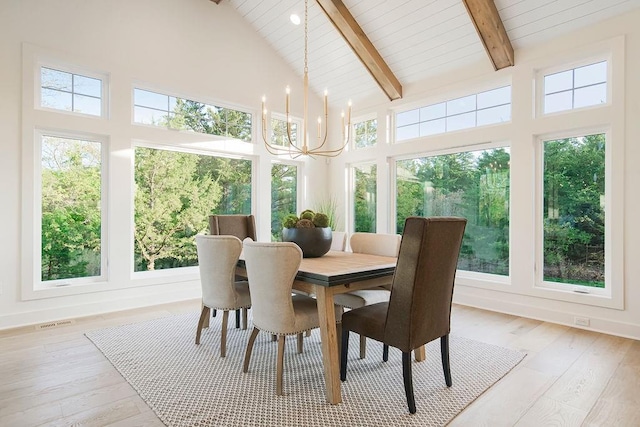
(570, 376)
(548, 412)
(518, 391)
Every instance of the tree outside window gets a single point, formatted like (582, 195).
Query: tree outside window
(284, 184)
(365, 198)
(470, 184)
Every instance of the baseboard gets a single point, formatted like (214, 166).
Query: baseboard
(567, 318)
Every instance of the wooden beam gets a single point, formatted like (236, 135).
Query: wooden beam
(355, 37)
(485, 18)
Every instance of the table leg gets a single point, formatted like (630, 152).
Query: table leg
(420, 353)
(330, 357)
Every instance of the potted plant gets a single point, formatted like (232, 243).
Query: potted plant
(310, 231)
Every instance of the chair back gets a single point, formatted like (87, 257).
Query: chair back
(375, 244)
(241, 226)
(339, 240)
(272, 268)
(420, 302)
(217, 259)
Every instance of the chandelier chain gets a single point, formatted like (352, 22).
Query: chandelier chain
(306, 35)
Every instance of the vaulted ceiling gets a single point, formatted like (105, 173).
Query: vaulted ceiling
(415, 38)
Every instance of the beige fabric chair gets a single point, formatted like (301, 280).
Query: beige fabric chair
(241, 226)
(374, 244)
(339, 241)
(217, 259)
(419, 310)
(272, 268)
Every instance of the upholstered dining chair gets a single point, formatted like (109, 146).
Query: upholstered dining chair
(419, 309)
(373, 244)
(272, 268)
(339, 241)
(217, 259)
(241, 226)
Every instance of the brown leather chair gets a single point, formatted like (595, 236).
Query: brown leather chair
(419, 308)
(241, 226)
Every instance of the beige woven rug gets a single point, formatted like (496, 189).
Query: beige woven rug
(190, 385)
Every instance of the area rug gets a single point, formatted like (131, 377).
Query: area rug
(191, 385)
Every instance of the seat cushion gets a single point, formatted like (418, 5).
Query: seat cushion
(356, 299)
(368, 320)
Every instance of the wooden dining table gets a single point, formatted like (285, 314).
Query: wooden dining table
(334, 273)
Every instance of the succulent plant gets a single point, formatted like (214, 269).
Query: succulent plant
(307, 219)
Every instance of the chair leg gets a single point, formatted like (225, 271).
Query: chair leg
(244, 319)
(247, 354)
(214, 312)
(343, 354)
(300, 343)
(223, 333)
(308, 333)
(385, 353)
(408, 381)
(280, 364)
(238, 319)
(363, 346)
(274, 337)
(204, 315)
(444, 351)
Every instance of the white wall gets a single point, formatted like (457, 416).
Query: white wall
(189, 48)
(518, 294)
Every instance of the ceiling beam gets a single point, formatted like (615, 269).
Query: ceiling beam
(355, 37)
(485, 18)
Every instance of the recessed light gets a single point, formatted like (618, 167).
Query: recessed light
(295, 19)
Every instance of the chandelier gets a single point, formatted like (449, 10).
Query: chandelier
(291, 146)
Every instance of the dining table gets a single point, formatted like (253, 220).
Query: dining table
(334, 273)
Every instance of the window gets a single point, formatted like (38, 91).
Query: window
(65, 91)
(279, 132)
(485, 108)
(72, 211)
(175, 193)
(366, 133)
(156, 109)
(574, 211)
(284, 196)
(365, 197)
(471, 184)
(576, 88)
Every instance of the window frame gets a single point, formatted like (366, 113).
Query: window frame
(449, 97)
(570, 66)
(611, 295)
(40, 289)
(74, 70)
(463, 277)
(176, 274)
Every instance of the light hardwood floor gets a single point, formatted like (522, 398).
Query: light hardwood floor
(569, 377)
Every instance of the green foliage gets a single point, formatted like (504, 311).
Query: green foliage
(365, 198)
(330, 208)
(283, 196)
(290, 221)
(307, 219)
(71, 214)
(320, 220)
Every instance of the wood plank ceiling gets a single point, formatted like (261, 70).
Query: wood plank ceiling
(418, 39)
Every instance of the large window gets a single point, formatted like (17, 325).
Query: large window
(61, 90)
(365, 133)
(470, 184)
(364, 203)
(156, 109)
(284, 196)
(574, 210)
(71, 176)
(279, 134)
(576, 88)
(175, 194)
(480, 109)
